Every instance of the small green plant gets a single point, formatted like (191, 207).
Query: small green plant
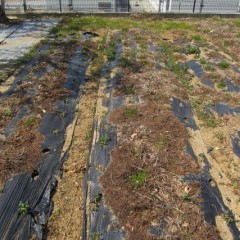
(131, 112)
(192, 49)
(203, 61)
(130, 90)
(23, 208)
(143, 47)
(138, 179)
(235, 185)
(66, 101)
(31, 121)
(228, 217)
(220, 136)
(162, 142)
(222, 85)
(206, 117)
(95, 236)
(55, 132)
(62, 114)
(110, 53)
(8, 112)
(197, 38)
(125, 62)
(209, 68)
(223, 65)
(57, 211)
(186, 196)
(104, 140)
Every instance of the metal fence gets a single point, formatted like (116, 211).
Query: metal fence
(154, 6)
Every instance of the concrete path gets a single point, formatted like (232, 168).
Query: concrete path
(18, 39)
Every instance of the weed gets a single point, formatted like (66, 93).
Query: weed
(55, 132)
(95, 236)
(94, 109)
(192, 49)
(214, 75)
(131, 112)
(197, 38)
(31, 121)
(23, 208)
(235, 185)
(125, 62)
(62, 114)
(97, 198)
(203, 61)
(8, 112)
(222, 85)
(130, 89)
(162, 142)
(206, 117)
(57, 211)
(88, 135)
(143, 47)
(223, 65)
(220, 136)
(228, 217)
(166, 48)
(104, 140)
(110, 53)
(138, 179)
(66, 101)
(209, 67)
(186, 196)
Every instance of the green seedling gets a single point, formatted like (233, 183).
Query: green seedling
(222, 85)
(220, 136)
(104, 140)
(209, 68)
(162, 142)
(55, 132)
(223, 65)
(130, 90)
(66, 101)
(62, 114)
(31, 121)
(8, 112)
(197, 38)
(192, 49)
(207, 118)
(203, 61)
(228, 217)
(138, 179)
(235, 185)
(95, 236)
(110, 53)
(186, 196)
(23, 208)
(131, 112)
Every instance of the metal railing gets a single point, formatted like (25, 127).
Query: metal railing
(154, 6)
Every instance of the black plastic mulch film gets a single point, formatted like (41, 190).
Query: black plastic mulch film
(97, 221)
(36, 192)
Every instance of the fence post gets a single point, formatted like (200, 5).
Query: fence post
(24, 5)
(194, 6)
(201, 5)
(159, 7)
(60, 5)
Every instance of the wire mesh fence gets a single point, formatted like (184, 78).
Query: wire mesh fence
(154, 6)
